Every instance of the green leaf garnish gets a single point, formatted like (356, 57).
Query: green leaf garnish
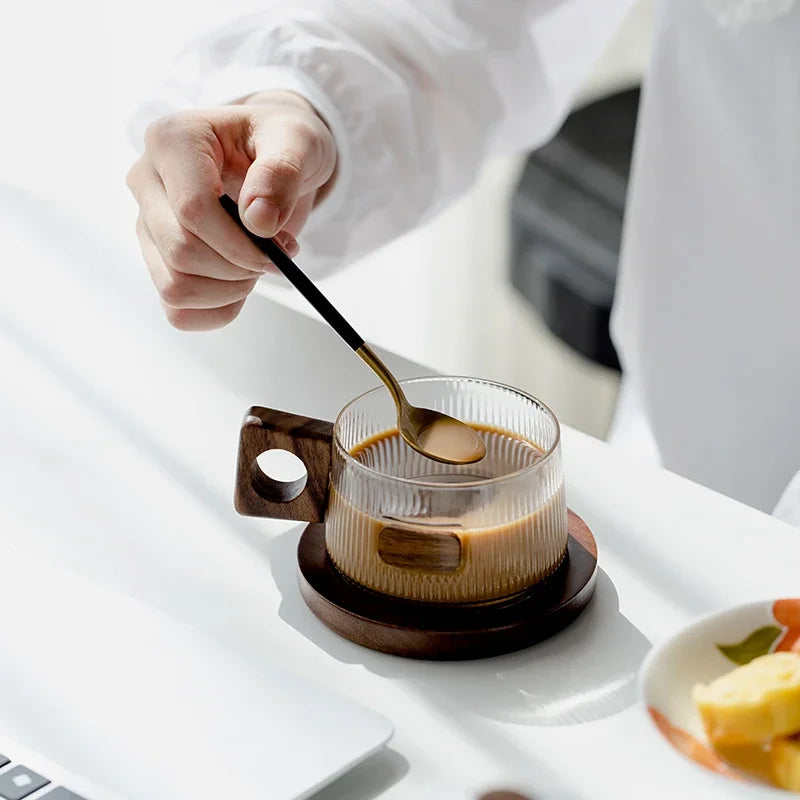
(758, 643)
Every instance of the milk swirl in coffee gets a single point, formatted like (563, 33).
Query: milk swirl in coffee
(468, 545)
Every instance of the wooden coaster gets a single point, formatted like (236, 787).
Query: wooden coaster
(447, 631)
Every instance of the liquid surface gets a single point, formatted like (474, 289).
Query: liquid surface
(387, 453)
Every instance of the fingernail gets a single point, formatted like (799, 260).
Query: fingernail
(262, 216)
(287, 243)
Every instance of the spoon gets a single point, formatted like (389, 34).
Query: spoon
(431, 433)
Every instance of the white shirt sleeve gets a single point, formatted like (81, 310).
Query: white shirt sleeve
(788, 508)
(416, 93)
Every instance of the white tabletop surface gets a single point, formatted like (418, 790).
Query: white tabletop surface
(117, 462)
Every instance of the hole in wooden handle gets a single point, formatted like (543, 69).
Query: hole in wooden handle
(278, 475)
(430, 551)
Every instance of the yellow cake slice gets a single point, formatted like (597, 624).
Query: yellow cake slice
(786, 763)
(753, 703)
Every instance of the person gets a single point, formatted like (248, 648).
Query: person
(352, 122)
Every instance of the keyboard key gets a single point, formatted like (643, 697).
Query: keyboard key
(60, 793)
(19, 782)
(3, 760)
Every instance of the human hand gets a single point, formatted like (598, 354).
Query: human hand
(273, 152)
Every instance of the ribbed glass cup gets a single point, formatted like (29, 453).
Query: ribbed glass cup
(410, 527)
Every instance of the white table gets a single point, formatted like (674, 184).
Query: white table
(117, 462)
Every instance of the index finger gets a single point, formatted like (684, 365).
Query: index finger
(193, 186)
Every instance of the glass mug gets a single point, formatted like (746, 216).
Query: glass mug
(404, 525)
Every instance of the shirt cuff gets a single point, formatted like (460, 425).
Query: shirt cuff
(788, 508)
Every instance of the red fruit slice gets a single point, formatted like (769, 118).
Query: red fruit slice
(787, 612)
(690, 747)
(790, 643)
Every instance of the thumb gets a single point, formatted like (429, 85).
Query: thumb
(291, 160)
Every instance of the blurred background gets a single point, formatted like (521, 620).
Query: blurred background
(534, 243)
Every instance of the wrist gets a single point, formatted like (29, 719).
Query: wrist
(282, 97)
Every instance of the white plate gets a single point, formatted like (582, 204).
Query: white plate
(706, 649)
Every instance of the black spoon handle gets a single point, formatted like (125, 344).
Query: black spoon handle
(297, 278)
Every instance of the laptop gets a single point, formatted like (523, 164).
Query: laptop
(106, 698)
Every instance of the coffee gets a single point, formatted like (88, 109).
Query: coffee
(466, 537)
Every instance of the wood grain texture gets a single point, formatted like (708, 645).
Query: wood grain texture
(579, 530)
(430, 551)
(309, 439)
(441, 631)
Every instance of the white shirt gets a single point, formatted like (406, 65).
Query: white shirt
(418, 94)
(707, 307)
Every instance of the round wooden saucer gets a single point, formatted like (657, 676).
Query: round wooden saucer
(447, 631)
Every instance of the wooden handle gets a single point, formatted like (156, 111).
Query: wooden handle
(309, 439)
(297, 278)
(419, 550)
